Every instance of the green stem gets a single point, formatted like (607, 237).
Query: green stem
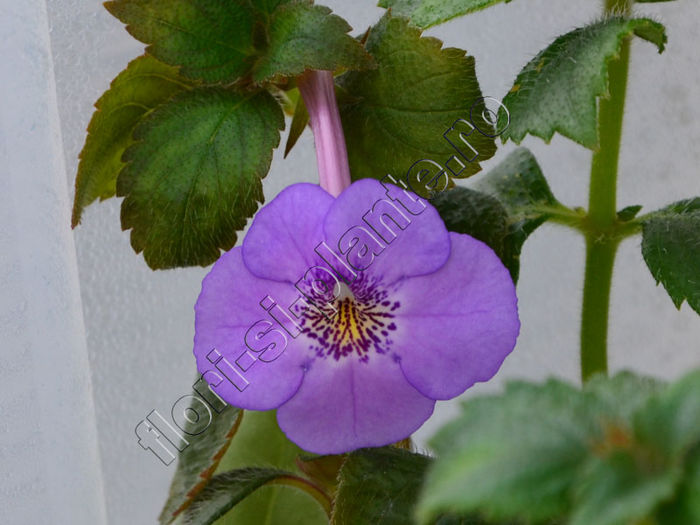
(600, 258)
(601, 240)
(559, 214)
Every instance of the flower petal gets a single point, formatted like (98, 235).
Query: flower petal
(342, 406)
(227, 308)
(280, 243)
(456, 326)
(420, 243)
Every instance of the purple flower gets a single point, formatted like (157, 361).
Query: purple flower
(352, 315)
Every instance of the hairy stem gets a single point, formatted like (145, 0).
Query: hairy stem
(318, 91)
(601, 240)
(600, 258)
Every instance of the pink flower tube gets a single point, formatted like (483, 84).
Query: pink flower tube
(318, 91)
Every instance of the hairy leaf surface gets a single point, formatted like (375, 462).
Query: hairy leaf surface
(135, 92)
(671, 249)
(194, 175)
(427, 13)
(396, 115)
(557, 91)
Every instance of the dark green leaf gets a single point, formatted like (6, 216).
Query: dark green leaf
(143, 85)
(224, 491)
(304, 36)
(477, 214)
(685, 507)
(197, 463)
(628, 213)
(260, 442)
(223, 42)
(299, 123)
(671, 249)
(395, 115)
(194, 175)
(210, 39)
(557, 90)
(427, 13)
(471, 520)
(268, 6)
(517, 182)
(379, 487)
(521, 454)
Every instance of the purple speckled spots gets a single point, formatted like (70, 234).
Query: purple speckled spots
(428, 314)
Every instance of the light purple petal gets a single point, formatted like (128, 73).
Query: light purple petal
(280, 243)
(227, 308)
(456, 326)
(421, 247)
(349, 404)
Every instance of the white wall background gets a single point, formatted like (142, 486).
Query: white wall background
(139, 324)
(48, 439)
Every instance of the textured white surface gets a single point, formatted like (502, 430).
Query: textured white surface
(48, 438)
(140, 323)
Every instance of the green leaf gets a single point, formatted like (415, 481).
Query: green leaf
(671, 421)
(197, 463)
(471, 520)
(322, 470)
(619, 399)
(558, 89)
(685, 507)
(268, 6)
(671, 249)
(304, 36)
(299, 123)
(379, 486)
(224, 42)
(655, 464)
(521, 454)
(224, 491)
(194, 174)
(395, 115)
(651, 1)
(211, 40)
(621, 489)
(628, 213)
(517, 182)
(627, 485)
(143, 85)
(504, 453)
(427, 13)
(477, 214)
(260, 442)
